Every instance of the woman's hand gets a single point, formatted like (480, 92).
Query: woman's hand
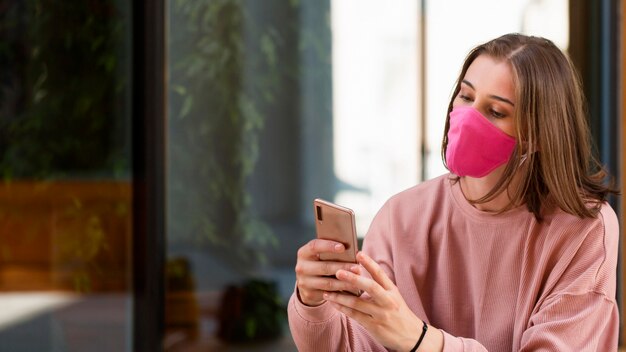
(315, 277)
(382, 311)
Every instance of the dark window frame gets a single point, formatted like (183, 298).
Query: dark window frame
(595, 50)
(148, 128)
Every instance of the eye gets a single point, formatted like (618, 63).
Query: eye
(497, 114)
(465, 98)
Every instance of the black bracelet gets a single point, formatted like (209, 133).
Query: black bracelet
(417, 345)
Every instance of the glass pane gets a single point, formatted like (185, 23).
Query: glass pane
(235, 136)
(65, 194)
(262, 119)
(375, 102)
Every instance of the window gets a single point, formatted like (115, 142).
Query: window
(65, 163)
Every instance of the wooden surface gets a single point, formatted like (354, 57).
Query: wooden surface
(65, 235)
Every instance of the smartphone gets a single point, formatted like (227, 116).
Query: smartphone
(336, 223)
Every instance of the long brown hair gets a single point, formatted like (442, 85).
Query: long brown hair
(552, 132)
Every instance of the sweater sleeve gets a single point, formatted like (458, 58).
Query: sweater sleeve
(322, 328)
(581, 313)
(582, 322)
(585, 322)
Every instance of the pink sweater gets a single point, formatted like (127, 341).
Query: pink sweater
(491, 282)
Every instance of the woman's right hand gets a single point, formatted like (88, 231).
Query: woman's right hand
(314, 276)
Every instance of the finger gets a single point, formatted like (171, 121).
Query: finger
(324, 284)
(320, 268)
(365, 284)
(362, 318)
(377, 273)
(310, 297)
(351, 305)
(317, 246)
(356, 269)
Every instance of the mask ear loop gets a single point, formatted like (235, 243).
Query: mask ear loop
(529, 150)
(523, 158)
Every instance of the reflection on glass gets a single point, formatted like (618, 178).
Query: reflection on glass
(65, 195)
(250, 131)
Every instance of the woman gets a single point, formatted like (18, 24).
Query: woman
(514, 250)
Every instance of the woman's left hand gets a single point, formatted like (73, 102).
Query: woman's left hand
(383, 311)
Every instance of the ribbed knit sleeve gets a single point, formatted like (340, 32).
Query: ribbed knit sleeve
(322, 328)
(580, 312)
(581, 322)
(576, 308)
(586, 322)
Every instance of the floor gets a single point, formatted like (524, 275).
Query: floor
(210, 343)
(60, 322)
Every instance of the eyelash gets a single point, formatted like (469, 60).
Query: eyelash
(465, 98)
(496, 114)
(493, 112)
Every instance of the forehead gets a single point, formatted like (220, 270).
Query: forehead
(490, 76)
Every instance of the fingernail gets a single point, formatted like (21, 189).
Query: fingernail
(338, 247)
(326, 295)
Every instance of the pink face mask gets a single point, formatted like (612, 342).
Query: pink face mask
(475, 146)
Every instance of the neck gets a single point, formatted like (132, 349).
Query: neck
(476, 188)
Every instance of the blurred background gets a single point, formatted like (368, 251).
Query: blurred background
(158, 160)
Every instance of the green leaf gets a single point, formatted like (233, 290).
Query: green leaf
(181, 90)
(187, 105)
(250, 327)
(269, 49)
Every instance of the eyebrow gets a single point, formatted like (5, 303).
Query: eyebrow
(496, 97)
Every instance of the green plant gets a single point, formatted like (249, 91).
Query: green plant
(63, 90)
(220, 87)
(250, 312)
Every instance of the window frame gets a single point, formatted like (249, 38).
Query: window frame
(148, 172)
